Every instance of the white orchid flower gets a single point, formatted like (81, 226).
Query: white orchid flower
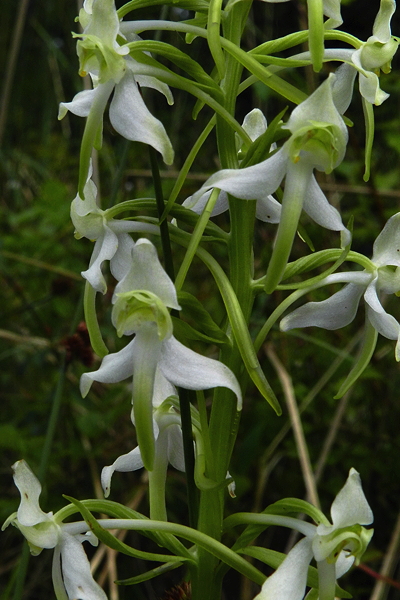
(383, 277)
(111, 69)
(113, 241)
(367, 61)
(334, 547)
(267, 208)
(318, 141)
(141, 303)
(376, 54)
(71, 569)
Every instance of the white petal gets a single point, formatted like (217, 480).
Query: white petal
(342, 88)
(121, 262)
(335, 312)
(105, 248)
(187, 369)
(197, 204)
(251, 183)
(255, 124)
(381, 29)
(289, 580)
(370, 89)
(29, 512)
(78, 579)
(268, 210)
(387, 244)
(343, 564)
(175, 447)
(130, 118)
(146, 273)
(104, 22)
(153, 83)
(81, 208)
(114, 368)
(318, 208)
(384, 323)
(332, 10)
(132, 461)
(162, 389)
(38, 527)
(80, 105)
(350, 507)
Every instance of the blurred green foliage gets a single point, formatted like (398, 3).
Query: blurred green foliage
(43, 353)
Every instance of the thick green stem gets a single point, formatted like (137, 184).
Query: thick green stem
(224, 418)
(157, 477)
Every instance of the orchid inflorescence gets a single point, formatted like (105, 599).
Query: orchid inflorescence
(162, 356)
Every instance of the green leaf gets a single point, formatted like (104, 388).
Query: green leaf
(196, 5)
(194, 309)
(312, 261)
(240, 330)
(362, 361)
(112, 542)
(260, 148)
(184, 332)
(179, 58)
(199, 20)
(288, 506)
(303, 235)
(119, 511)
(369, 135)
(89, 306)
(149, 574)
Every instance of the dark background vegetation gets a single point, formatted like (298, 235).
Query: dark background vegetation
(43, 351)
